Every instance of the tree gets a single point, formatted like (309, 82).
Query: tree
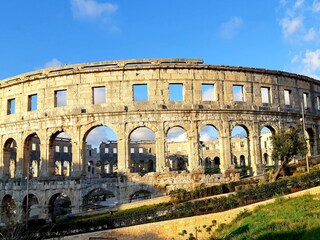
(287, 144)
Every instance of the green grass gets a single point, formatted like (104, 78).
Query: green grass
(297, 218)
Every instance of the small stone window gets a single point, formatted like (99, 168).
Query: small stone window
(60, 98)
(287, 97)
(265, 95)
(33, 147)
(140, 92)
(318, 103)
(140, 150)
(238, 95)
(33, 102)
(11, 106)
(106, 150)
(57, 148)
(207, 92)
(176, 92)
(99, 95)
(65, 149)
(131, 150)
(114, 150)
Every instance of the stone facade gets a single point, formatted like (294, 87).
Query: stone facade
(42, 104)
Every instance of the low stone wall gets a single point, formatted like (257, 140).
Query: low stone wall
(171, 229)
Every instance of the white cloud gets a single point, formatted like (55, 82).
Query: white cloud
(177, 134)
(290, 26)
(298, 3)
(295, 58)
(91, 8)
(142, 133)
(311, 60)
(208, 95)
(53, 63)
(230, 28)
(316, 6)
(100, 134)
(310, 35)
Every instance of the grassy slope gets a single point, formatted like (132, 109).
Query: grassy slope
(297, 218)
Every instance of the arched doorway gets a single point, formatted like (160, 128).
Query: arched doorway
(32, 156)
(177, 149)
(240, 148)
(8, 209)
(101, 147)
(140, 195)
(266, 145)
(60, 159)
(142, 150)
(30, 207)
(99, 198)
(209, 147)
(9, 158)
(59, 206)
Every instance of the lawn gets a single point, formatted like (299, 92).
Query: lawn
(297, 218)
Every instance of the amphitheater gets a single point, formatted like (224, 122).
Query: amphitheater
(184, 94)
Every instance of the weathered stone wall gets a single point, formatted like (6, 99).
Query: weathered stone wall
(121, 113)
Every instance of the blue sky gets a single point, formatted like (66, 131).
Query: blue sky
(272, 34)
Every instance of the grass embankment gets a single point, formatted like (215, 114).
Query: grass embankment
(297, 218)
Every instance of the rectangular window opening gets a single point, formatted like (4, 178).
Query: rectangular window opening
(238, 93)
(265, 95)
(140, 92)
(32, 102)
(11, 106)
(207, 92)
(287, 97)
(176, 92)
(99, 95)
(60, 98)
(318, 103)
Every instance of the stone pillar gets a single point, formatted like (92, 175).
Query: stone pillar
(20, 162)
(78, 166)
(225, 148)
(44, 158)
(255, 149)
(160, 149)
(193, 142)
(123, 155)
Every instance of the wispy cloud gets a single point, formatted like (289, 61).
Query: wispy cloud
(311, 62)
(316, 6)
(142, 133)
(53, 63)
(95, 11)
(300, 28)
(290, 26)
(231, 28)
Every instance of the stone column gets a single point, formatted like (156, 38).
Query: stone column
(44, 158)
(123, 155)
(160, 148)
(255, 149)
(225, 148)
(193, 142)
(20, 158)
(78, 154)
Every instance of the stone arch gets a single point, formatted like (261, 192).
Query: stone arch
(310, 140)
(32, 156)
(59, 205)
(266, 133)
(8, 209)
(10, 158)
(240, 145)
(140, 195)
(30, 206)
(177, 150)
(60, 154)
(99, 198)
(208, 144)
(101, 145)
(142, 147)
